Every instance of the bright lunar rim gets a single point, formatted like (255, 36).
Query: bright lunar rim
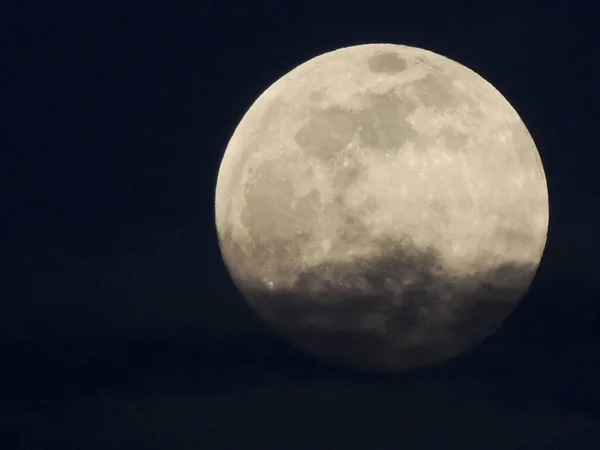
(382, 207)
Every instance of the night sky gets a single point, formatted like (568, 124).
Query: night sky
(119, 325)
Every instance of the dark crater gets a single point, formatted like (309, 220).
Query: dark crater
(388, 63)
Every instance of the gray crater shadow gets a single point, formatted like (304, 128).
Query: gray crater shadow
(422, 314)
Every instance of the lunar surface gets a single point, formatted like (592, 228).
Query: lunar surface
(382, 207)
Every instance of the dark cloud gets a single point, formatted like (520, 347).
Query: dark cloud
(422, 314)
(175, 358)
(204, 392)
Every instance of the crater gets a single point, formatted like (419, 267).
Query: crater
(388, 63)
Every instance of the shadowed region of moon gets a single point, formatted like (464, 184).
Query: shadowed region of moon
(396, 312)
(382, 207)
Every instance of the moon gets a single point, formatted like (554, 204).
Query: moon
(382, 207)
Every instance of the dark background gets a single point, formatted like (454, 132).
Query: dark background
(119, 325)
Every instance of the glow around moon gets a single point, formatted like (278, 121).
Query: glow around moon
(382, 207)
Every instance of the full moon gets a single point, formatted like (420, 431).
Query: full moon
(382, 207)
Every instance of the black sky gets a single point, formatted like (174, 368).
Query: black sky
(120, 327)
